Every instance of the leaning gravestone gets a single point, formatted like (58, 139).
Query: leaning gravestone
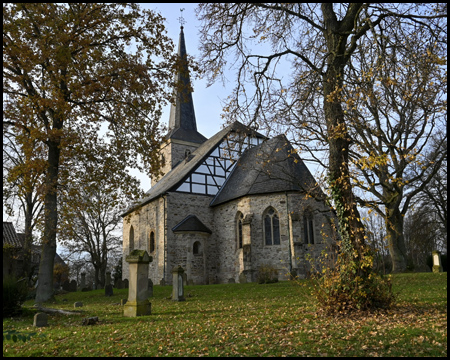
(137, 303)
(40, 320)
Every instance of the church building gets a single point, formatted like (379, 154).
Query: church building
(228, 205)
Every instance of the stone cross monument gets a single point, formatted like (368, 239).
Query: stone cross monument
(137, 303)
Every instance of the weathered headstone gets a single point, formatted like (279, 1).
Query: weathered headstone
(177, 283)
(126, 284)
(162, 282)
(150, 288)
(83, 281)
(108, 286)
(231, 281)
(40, 320)
(78, 304)
(90, 321)
(73, 286)
(109, 290)
(437, 264)
(118, 284)
(137, 303)
(66, 285)
(242, 278)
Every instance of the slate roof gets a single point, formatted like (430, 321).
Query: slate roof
(180, 172)
(270, 167)
(191, 223)
(10, 236)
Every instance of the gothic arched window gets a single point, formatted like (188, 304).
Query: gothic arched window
(151, 244)
(239, 223)
(308, 228)
(271, 227)
(131, 239)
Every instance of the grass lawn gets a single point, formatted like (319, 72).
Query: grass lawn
(241, 320)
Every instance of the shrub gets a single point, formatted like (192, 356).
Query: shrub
(351, 285)
(267, 274)
(14, 294)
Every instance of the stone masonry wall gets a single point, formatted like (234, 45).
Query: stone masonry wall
(290, 254)
(220, 259)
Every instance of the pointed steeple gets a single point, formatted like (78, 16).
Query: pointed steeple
(182, 123)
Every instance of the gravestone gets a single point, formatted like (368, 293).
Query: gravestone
(126, 284)
(242, 278)
(231, 281)
(66, 285)
(150, 288)
(437, 264)
(137, 303)
(178, 288)
(73, 286)
(40, 320)
(118, 284)
(83, 281)
(108, 286)
(78, 304)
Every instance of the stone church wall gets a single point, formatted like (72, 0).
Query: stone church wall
(220, 258)
(290, 254)
(180, 245)
(150, 218)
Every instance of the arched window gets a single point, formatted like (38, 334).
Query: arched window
(239, 223)
(131, 238)
(197, 248)
(271, 227)
(151, 243)
(308, 228)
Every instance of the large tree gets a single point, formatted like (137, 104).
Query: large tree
(91, 203)
(318, 42)
(397, 110)
(68, 69)
(23, 169)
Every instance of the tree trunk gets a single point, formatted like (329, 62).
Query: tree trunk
(351, 227)
(396, 240)
(27, 268)
(336, 34)
(44, 290)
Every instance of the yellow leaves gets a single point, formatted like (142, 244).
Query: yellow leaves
(373, 161)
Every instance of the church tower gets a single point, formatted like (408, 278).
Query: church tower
(183, 137)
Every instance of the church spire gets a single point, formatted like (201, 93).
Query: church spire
(182, 122)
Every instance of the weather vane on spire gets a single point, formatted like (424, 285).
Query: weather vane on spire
(181, 18)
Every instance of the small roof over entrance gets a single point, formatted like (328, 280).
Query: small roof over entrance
(192, 224)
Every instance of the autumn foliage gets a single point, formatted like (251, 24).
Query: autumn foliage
(351, 285)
